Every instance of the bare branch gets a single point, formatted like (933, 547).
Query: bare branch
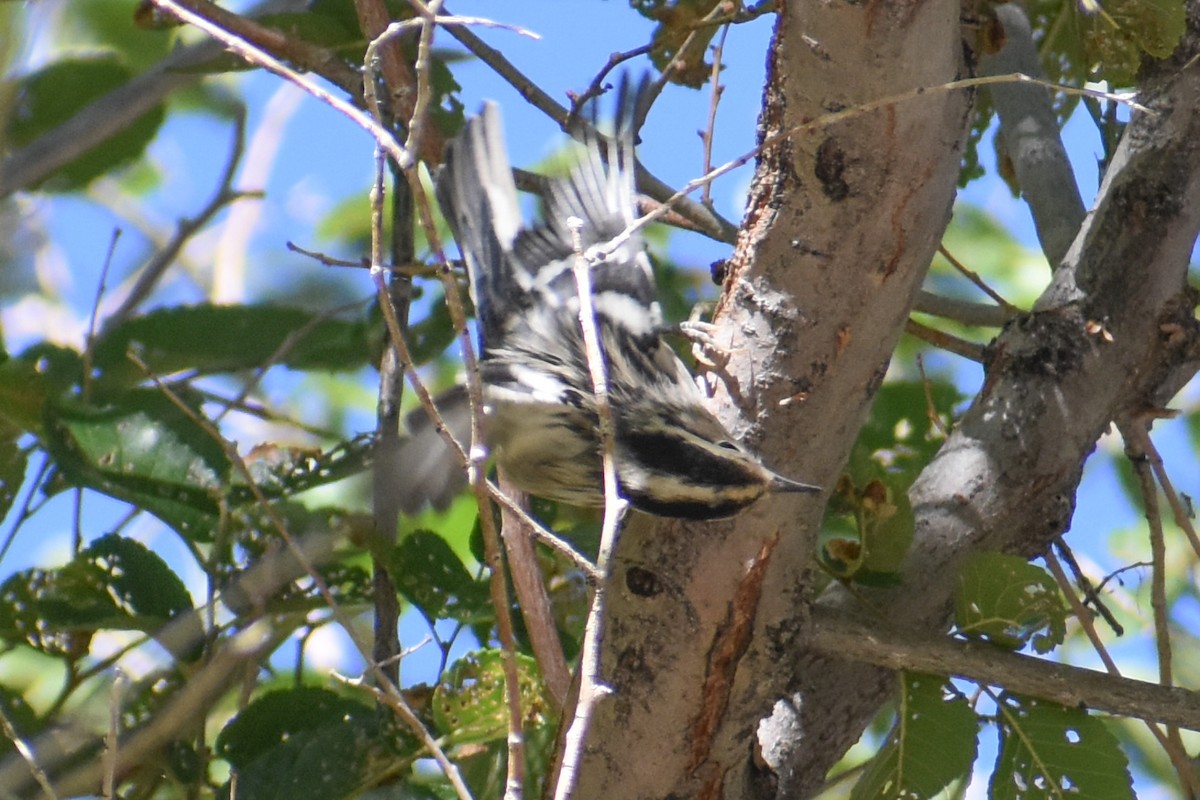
(1029, 131)
(841, 638)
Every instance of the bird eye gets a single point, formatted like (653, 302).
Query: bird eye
(727, 445)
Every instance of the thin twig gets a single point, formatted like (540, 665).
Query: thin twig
(421, 67)
(979, 282)
(532, 598)
(1091, 594)
(259, 57)
(827, 120)
(597, 87)
(931, 413)
(1179, 514)
(405, 712)
(26, 754)
(1136, 436)
(714, 100)
(1135, 448)
(591, 686)
(90, 341)
(945, 341)
(1081, 613)
(112, 741)
(297, 50)
(962, 311)
(1175, 752)
(156, 267)
(279, 525)
(26, 509)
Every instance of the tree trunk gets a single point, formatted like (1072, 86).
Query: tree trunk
(706, 622)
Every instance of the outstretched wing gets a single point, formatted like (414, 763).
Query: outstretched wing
(515, 271)
(479, 199)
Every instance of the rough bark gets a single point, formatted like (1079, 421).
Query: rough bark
(1007, 476)
(842, 224)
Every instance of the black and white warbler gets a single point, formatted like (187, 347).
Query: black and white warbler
(673, 457)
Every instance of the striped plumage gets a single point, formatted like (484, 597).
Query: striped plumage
(674, 458)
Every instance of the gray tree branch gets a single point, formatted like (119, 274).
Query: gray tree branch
(986, 664)
(1006, 478)
(1030, 137)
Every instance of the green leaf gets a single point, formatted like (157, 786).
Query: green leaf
(264, 580)
(899, 438)
(302, 743)
(114, 584)
(112, 25)
(469, 705)
(1049, 751)
(21, 616)
(209, 338)
(278, 715)
(49, 97)
(285, 471)
(1009, 602)
(430, 336)
(1122, 30)
(28, 381)
(143, 449)
(22, 395)
(430, 576)
(13, 461)
(932, 743)
(137, 578)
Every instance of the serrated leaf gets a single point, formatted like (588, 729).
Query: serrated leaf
(21, 618)
(1049, 751)
(284, 471)
(114, 584)
(1120, 31)
(301, 743)
(430, 576)
(210, 338)
(52, 95)
(932, 743)
(142, 449)
(137, 578)
(278, 715)
(1009, 602)
(469, 705)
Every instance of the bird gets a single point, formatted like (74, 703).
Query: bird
(673, 457)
